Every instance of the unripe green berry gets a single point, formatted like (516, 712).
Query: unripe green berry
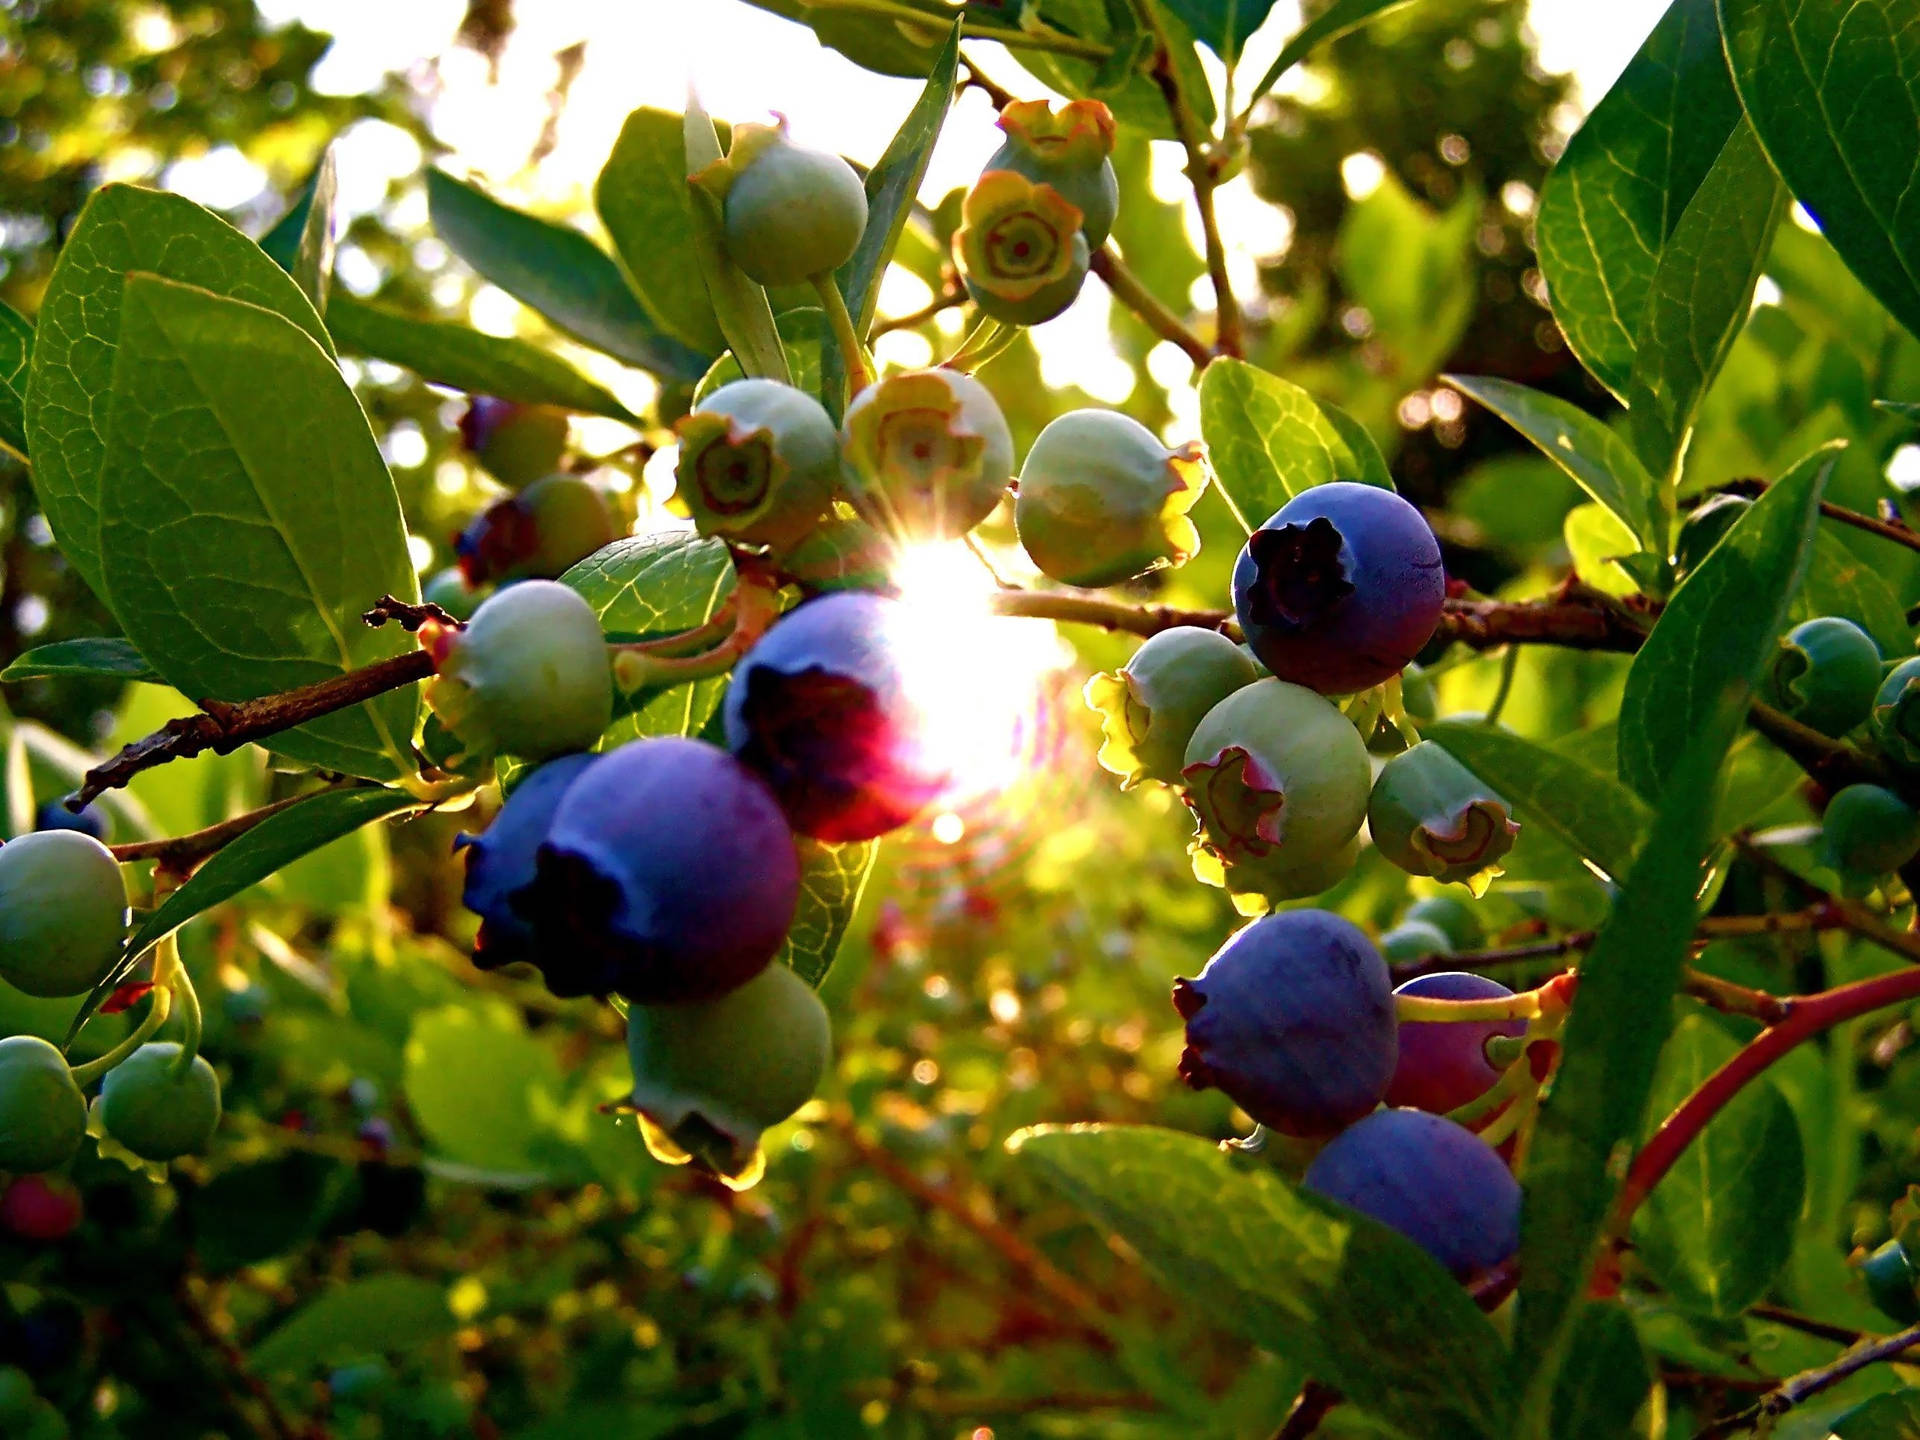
(1259, 885)
(1869, 831)
(1896, 715)
(45, 1423)
(1151, 706)
(43, 1115)
(1102, 500)
(155, 1113)
(514, 443)
(1277, 777)
(758, 463)
(1068, 150)
(1824, 674)
(17, 1397)
(450, 591)
(1417, 695)
(1705, 528)
(1451, 916)
(927, 454)
(1412, 941)
(1432, 816)
(714, 1075)
(63, 912)
(1893, 1283)
(529, 676)
(788, 213)
(1020, 248)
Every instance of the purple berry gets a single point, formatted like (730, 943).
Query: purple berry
(1435, 1182)
(820, 708)
(90, 820)
(1340, 589)
(1443, 1064)
(1292, 1018)
(668, 874)
(501, 862)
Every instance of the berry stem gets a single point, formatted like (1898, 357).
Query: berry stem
(1429, 1008)
(181, 983)
(852, 354)
(1126, 288)
(181, 853)
(159, 1006)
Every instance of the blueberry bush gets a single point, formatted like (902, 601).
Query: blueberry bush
(1426, 944)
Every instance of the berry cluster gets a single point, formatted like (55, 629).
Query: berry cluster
(63, 927)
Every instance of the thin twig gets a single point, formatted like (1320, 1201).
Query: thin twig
(1126, 288)
(1797, 1389)
(1898, 531)
(1314, 1403)
(182, 852)
(1806, 1324)
(951, 296)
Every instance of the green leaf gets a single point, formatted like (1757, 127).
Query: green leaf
(376, 1315)
(1701, 293)
(1223, 25)
(1834, 92)
(1894, 1416)
(740, 306)
(107, 656)
(648, 586)
(1356, 1304)
(121, 230)
(1839, 582)
(1606, 1377)
(312, 267)
(832, 878)
(247, 519)
(1415, 272)
(1330, 24)
(642, 199)
(1594, 815)
(1719, 628)
(1614, 197)
(1268, 440)
(1123, 81)
(478, 1084)
(557, 271)
(1721, 1224)
(1905, 409)
(1598, 460)
(16, 353)
(466, 359)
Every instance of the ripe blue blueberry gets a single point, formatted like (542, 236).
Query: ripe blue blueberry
(501, 862)
(1443, 1064)
(1151, 706)
(820, 708)
(1435, 1182)
(1293, 1018)
(668, 874)
(1824, 674)
(90, 820)
(1340, 588)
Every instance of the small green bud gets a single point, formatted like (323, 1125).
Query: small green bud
(1432, 816)
(1020, 249)
(1824, 674)
(1150, 707)
(927, 454)
(1417, 695)
(758, 463)
(788, 213)
(43, 1115)
(155, 1113)
(1102, 500)
(1869, 831)
(1896, 715)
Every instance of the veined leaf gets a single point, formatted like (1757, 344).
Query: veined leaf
(379, 1313)
(466, 359)
(1594, 815)
(1268, 440)
(642, 199)
(1122, 80)
(1718, 630)
(1222, 25)
(248, 525)
(1361, 1307)
(1599, 461)
(1702, 290)
(1833, 91)
(121, 230)
(110, 657)
(16, 353)
(559, 272)
(739, 305)
(832, 879)
(1618, 192)
(1606, 1378)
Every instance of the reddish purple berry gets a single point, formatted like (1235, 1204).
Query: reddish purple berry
(820, 708)
(1292, 1018)
(668, 874)
(1435, 1182)
(1443, 1064)
(1340, 589)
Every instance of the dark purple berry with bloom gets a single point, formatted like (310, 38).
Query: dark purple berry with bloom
(668, 874)
(1443, 1064)
(1293, 1018)
(1341, 588)
(514, 443)
(820, 707)
(501, 862)
(1437, 1183)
